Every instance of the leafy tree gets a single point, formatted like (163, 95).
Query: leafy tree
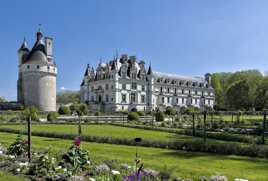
(237, 95)
(63, 110)
(2, 99)
(261, 101)
(219, 93)
(31, 112)
(66, 97)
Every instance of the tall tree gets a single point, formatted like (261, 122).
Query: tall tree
(237, 95)
(2, 99)
(261, 101)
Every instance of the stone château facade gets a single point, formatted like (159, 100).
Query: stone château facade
(125, 84)
(37, 74)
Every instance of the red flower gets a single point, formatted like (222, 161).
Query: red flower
(77, 141)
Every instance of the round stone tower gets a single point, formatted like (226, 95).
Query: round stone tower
(37, 74)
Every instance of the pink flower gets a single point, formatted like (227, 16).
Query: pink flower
(77, 141)
(25, 142)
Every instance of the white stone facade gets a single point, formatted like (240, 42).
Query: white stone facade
(125, 84)
(37, 74)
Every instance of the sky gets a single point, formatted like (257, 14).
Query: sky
(186, 37)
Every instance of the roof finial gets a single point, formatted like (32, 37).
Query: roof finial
(39, 27)
(116, 54)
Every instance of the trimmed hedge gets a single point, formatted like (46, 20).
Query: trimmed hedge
(186, 145)
(199, 133)
(133, 116)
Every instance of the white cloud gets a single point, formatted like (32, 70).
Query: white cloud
(62, 88)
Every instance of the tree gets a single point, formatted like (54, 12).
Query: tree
(64, 110)
(66, 97)
(31, 112)
(238, 95)
(2, 99)
(219, 94)
(261, 101)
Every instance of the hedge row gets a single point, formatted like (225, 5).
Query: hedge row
(199, 133)
(186, 145)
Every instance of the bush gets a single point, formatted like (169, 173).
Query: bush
(159, 116)
(133, 116)
(97, 113)
(83, 109)
(140, 113)
(19, 147)
(63, 110)
(52, 116)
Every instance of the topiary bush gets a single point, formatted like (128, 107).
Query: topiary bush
(64, 110)
(159, 116)
(52, 116)
(141, 113)
(133, 116)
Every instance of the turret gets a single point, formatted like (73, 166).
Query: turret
(23, 51)
(49, 48)
(208, 78)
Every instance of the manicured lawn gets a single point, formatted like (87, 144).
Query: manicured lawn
(7, 177)
(184, 164)
(104, 130)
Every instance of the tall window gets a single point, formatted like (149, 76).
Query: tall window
(168, 99)
(168, 90)
(163, 100)
(124, 98)
(107, 98)
(142, 98)
(124, 86)
(132, 97)
(106, 86)
(161, 89)
(143, 88)
(182, 100)
(134, 85)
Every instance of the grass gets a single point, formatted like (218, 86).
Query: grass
(184, 164)
(7, 177)
(111, 131)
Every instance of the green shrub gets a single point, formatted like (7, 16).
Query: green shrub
(63, 110)
(52, 116)
(97, 113)
(83, 109)
(133, 116)
(159, 116)
(19, 147)
(141, 113)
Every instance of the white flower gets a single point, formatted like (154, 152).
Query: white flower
(1, 152)
(92, 179)
(11, 156)
(59, 167)
(88, 162)
(65, 169)
(115, 172)
(18, 170)
(23, 164)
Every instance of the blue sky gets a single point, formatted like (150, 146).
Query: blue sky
(187, 37)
